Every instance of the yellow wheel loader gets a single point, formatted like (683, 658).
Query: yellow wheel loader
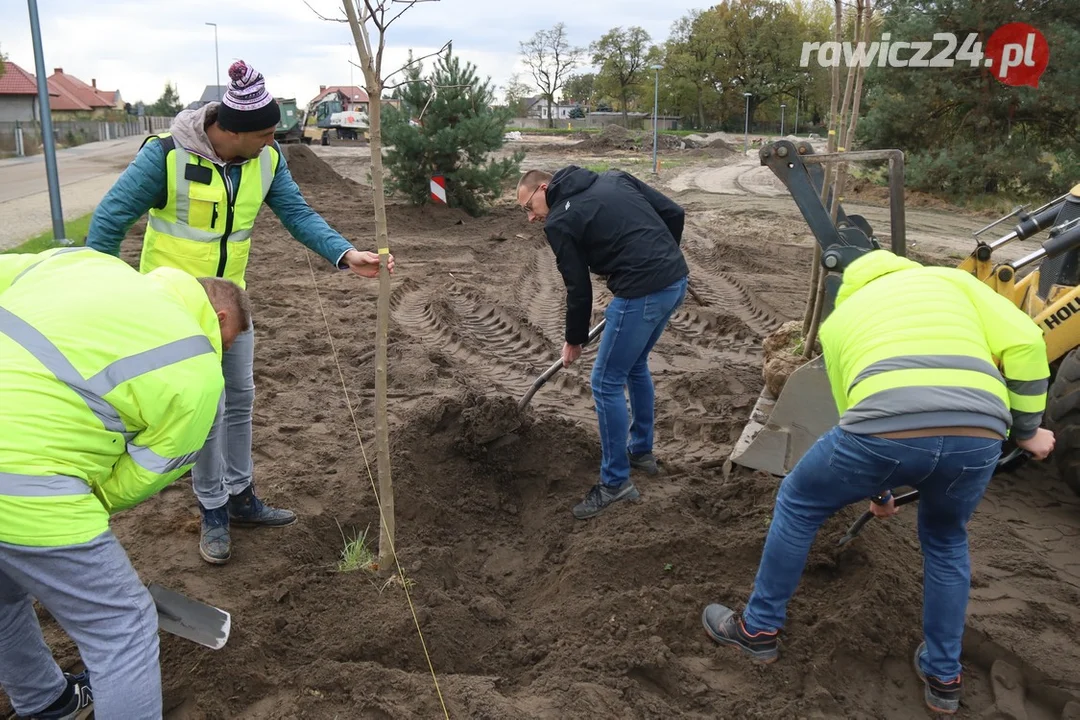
(1045, 284)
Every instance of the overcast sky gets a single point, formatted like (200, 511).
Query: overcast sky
(135, 46)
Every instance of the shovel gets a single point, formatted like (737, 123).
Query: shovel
(190, 619)
(555, 367)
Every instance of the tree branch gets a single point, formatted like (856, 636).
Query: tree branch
(408, 4)
(323, 17)
(414, 61)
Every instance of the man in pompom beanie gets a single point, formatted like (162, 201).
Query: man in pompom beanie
(202, 184)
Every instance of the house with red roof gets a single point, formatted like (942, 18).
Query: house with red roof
(351, 97)
(18, 94)
(77, 99)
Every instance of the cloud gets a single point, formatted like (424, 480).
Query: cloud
(137, 47)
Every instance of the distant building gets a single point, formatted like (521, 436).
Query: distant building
(211, 93)
(18, 95)
(76, 98)
(351, 97)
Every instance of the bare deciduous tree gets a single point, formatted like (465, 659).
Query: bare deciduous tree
(380, 15)
(550, 58)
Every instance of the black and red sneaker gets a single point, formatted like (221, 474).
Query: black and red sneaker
(726, 627)
(941, 696)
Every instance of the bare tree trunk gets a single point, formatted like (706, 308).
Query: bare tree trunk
(834, 128)
(382, 430)
(551, 118)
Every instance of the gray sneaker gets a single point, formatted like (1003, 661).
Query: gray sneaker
(600, 496)
(646, 462)
(215, 544)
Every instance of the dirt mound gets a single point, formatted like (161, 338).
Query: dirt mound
(611, 137)
(307, 168)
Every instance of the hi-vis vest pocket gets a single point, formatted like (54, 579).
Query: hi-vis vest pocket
(208, 206)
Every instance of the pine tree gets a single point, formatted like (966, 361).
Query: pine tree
(446, 126)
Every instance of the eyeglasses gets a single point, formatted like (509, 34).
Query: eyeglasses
(527, 207)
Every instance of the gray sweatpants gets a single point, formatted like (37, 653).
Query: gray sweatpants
(95, 595)
(224, 465)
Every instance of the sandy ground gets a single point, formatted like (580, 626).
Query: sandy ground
(525, 612)
(85, 174)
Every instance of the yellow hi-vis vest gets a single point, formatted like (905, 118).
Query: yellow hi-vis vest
(911, 347)
(205, 227)
(109, 383)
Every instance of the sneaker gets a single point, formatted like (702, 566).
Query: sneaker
(215, 544)
(646, 462)
(726, 627)
(600, 496)
(940, 696)
(247, 510)
(78, 706)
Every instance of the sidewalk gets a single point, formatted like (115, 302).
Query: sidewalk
(85, 172)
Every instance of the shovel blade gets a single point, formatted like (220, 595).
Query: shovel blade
(190, 619)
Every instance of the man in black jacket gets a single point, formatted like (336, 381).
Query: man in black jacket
(616, 226)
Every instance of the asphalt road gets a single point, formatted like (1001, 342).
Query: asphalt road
(85, 172)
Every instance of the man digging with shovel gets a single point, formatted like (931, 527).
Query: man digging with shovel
(616, 226)
(109, 384)
(910, 353)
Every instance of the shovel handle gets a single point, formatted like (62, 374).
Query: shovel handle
(857, 526)
(555, 367)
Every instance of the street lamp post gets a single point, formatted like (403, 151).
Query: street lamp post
(47, 141)
(746, 128)
(656, 103)
(217, 63)
(782, 106)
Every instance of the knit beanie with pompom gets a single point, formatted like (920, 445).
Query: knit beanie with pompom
(247, 106)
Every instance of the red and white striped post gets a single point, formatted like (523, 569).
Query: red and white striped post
(438, 189)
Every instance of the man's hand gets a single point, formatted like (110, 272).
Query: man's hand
(366, 264)
(887, 510)
(1039, 445)
(570, 353)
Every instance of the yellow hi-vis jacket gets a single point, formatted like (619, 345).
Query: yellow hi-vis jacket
(205, 227)
(909, 347)
(109, 383)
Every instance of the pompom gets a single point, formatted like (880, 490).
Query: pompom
(237, 71)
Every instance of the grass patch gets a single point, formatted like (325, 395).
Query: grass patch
(76, 230)
(356, 553)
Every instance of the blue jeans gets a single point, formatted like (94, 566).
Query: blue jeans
(951, 474)
(224, 465)
(632, 328)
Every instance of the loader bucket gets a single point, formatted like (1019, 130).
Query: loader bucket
(781, 430)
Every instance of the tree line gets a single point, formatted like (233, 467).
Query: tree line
(964, 131)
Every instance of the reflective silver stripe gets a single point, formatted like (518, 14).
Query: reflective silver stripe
(266, 170)
(122, 370)
(16, 485)
(179, 230)
(183, 187)
(240, 235)
(54, 361)
(61, 251)
(927, 362)
(927, 399)
(132, 366)
(149, 460)
(1028, 387)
